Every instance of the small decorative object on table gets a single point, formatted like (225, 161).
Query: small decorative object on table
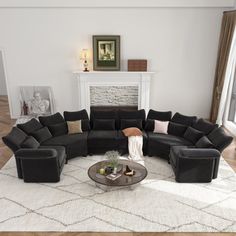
(84, 58)
(129, 172)
(113, 157)
(137, 65)
(113, 176)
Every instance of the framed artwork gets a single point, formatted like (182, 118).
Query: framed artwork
(36, 100)
(106, 52)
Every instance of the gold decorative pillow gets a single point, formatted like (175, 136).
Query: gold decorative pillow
(132, 131)
(74, 127)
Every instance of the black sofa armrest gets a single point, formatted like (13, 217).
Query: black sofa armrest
(38, 165)
(200, 157)
(26, 153)
(199, 153)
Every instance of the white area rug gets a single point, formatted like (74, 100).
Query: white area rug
(159, 204)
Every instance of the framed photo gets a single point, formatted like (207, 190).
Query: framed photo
(106, 52)
(36, 101)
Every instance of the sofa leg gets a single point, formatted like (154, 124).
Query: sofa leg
(66, 162)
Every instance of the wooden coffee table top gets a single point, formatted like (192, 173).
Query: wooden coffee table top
(140, 174)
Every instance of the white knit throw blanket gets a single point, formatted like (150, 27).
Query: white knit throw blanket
(135, 144)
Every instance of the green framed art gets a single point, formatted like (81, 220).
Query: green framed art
(106, 52)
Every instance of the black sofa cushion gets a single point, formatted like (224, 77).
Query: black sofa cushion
(14, 139)
(176, 129)
(159, 115)
(104, 140)
(103, 115)
(42, 135)
(127, 123)
(52, 119)
(205, 126)
(58, 129)
(204, 142)
(104, 124)
(160, 144)
(220, 139)
(78, 115)
(139, 114)
(193, 135)
(30, 142)
(30, 126)
(184, 120)
(149, 125)
(75, 144)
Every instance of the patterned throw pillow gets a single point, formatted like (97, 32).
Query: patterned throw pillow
(74, 127)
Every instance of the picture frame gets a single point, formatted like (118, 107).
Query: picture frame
(106, 52)
(36, 101)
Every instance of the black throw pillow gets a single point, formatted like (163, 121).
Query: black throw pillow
(204, 142)
(30, 142)
(14, 139)
(51, 120)
(184, 120)
(42, 135)
(150, 125)
(176, 129)
(58, 129)
(30, 126)
(104, 124)
(127, 123)
(220, 139)
(159, 115)
(205, 126)
(76, 115)
(85, 125)
(193, 135)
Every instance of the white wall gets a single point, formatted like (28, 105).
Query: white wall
(3, 87)
(42, 44)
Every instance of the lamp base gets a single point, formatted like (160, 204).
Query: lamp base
(85, 70)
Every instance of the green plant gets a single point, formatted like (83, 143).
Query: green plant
(113, 157)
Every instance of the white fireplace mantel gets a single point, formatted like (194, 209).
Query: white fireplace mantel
(113, 78)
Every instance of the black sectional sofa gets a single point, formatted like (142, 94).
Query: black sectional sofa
(192, 146)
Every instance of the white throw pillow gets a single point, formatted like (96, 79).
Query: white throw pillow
(161, 127)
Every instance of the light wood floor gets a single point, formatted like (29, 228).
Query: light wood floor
(5, 154)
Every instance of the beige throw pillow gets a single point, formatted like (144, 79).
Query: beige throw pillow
(74, 127)
(132, 131)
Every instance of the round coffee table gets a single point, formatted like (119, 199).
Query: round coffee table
(104, 183)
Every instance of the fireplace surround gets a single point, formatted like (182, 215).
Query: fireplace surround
(87, 81)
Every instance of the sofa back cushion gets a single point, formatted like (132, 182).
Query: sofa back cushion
(184, 120)
(104, 124)
(78, 115)
(149, 125)
(128, 123)
(14, 139)
(103, 115)
(30, 126)
(193, 135)
(159, 115)
(220, 139)
(42, 135)
(30, 142)
(52, 119)
(205, 126)
(132, 115)
(58, 129)
(176, 129)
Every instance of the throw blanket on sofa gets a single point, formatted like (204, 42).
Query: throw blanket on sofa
(135, 145)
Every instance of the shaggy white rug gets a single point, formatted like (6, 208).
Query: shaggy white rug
(159, 204)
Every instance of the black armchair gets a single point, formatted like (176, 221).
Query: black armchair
(40, 165)
(194, 165)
